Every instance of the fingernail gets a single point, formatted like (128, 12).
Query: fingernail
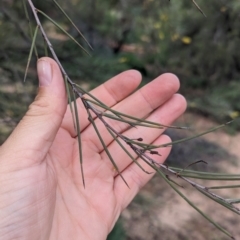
(44, 73)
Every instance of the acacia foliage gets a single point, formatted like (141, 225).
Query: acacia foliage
(148, 35)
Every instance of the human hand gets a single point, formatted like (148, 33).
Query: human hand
(41, 190)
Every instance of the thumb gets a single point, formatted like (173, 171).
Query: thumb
(35, 133)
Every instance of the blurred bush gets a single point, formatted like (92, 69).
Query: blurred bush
(150, 36)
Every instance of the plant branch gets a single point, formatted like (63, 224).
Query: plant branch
(142, 150)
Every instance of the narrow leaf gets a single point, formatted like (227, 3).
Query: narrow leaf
(189, 165)
(29, 25)
(171, 180)
(195, 136)
(223, 187)
(138, 120)
(69, 35)
(233, 201)
(131, 122)
(205, 173)
(105, 147)
(70, 20)
(31, 51)
(69, 100)
(219, 201)
(127, 152)
(100, 104)
(79, 137)
(219, 227)
(210, 177)
(199, 8)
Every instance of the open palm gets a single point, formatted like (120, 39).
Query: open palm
(41, 191)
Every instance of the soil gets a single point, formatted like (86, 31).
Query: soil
(158, 213)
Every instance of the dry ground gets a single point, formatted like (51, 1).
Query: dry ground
(158, 213)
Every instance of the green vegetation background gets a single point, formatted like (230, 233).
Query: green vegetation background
(151, 36)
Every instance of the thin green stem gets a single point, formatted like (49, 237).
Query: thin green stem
(69, 35)
(105, 147)
(194, 206)
(79, 137)
(70, 20)
(31, 51)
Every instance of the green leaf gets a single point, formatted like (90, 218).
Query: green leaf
(221, 202)
(199, 8)
(79, 137)
(193, 137)
(70, 20)
(31, 51)
(105, 147)
(29, 25)
(223, 187)
(120, 114)
(219, 227)
(127, 152)
(69, 35)
(69, 100)
(138, 120)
